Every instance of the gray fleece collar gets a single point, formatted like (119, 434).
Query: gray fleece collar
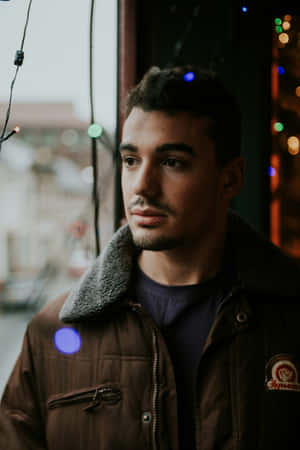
(261, 267)
(105, 282)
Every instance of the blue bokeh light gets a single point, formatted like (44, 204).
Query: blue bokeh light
(67, 340)
(280, 70)
(244, 9)
(272, 171)
(189, 76)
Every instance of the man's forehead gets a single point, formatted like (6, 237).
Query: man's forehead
(159, 123)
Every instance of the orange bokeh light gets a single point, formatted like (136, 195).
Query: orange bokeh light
(283, 38)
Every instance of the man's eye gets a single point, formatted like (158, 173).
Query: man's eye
(174, 163)
(128, 161)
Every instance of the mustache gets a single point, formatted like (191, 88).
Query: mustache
(150, 203)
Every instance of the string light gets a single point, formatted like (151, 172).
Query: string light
(278, 126)
(278, 21)
(69, 137)
(286, 25)
(280, 70)
(288, 17)
(95, 130)
(244, 9)
(278, 29)
(284, 38)
(298, 91)
(189, 76)
(293, 145)
(272, 171)
(14, 131)
(19, 58)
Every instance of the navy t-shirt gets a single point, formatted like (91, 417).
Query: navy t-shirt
(184, 315)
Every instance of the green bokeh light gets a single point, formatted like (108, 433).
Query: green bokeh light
(278, 126)
(278, 29)
(95, 130)
(278, 21)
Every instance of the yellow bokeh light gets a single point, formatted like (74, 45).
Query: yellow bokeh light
(284, 38)
(298, 91)
(293, 142)
(288, 17)
(293, 151)
(293, 145)
(286, 25)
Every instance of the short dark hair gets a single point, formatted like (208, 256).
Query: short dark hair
(196, 91)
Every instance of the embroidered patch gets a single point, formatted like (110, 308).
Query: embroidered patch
(282, 374)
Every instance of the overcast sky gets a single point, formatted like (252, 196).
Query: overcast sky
(56, 60)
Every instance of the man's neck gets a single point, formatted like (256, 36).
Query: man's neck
(184, 266)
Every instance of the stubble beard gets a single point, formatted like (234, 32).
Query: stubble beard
(155, 243)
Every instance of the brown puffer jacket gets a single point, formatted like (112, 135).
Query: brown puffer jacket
(95, 374)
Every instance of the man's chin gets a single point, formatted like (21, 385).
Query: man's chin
(147, 240)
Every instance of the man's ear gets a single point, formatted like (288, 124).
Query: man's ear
(233, 177)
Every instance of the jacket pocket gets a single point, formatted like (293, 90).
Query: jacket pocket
(108, 394)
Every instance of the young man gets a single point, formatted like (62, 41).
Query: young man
(184, 334)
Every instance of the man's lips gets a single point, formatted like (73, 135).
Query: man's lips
(148, 216)
(147, 212)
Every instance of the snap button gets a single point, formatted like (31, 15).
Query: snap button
(242, 317)
(147, 417)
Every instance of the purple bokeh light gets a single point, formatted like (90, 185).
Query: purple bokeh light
(272, 171)
(67, 340)
(189, 76)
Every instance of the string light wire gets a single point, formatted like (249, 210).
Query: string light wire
(179, 44)
(18, 62)
(94, 140)
(26, 24)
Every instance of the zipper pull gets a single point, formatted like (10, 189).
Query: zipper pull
(95, 402)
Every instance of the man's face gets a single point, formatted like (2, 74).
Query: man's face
(172, 186)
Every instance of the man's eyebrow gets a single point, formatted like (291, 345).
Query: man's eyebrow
(168, 146)
(126, 146)
(177, 146)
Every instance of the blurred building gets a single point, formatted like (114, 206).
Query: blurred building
(46, 197)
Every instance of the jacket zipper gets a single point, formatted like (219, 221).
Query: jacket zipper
(225, 300)
(155, 376)
(105, 394)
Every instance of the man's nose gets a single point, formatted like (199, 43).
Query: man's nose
(147, 182)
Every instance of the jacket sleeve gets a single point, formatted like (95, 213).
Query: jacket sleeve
(21, 424)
